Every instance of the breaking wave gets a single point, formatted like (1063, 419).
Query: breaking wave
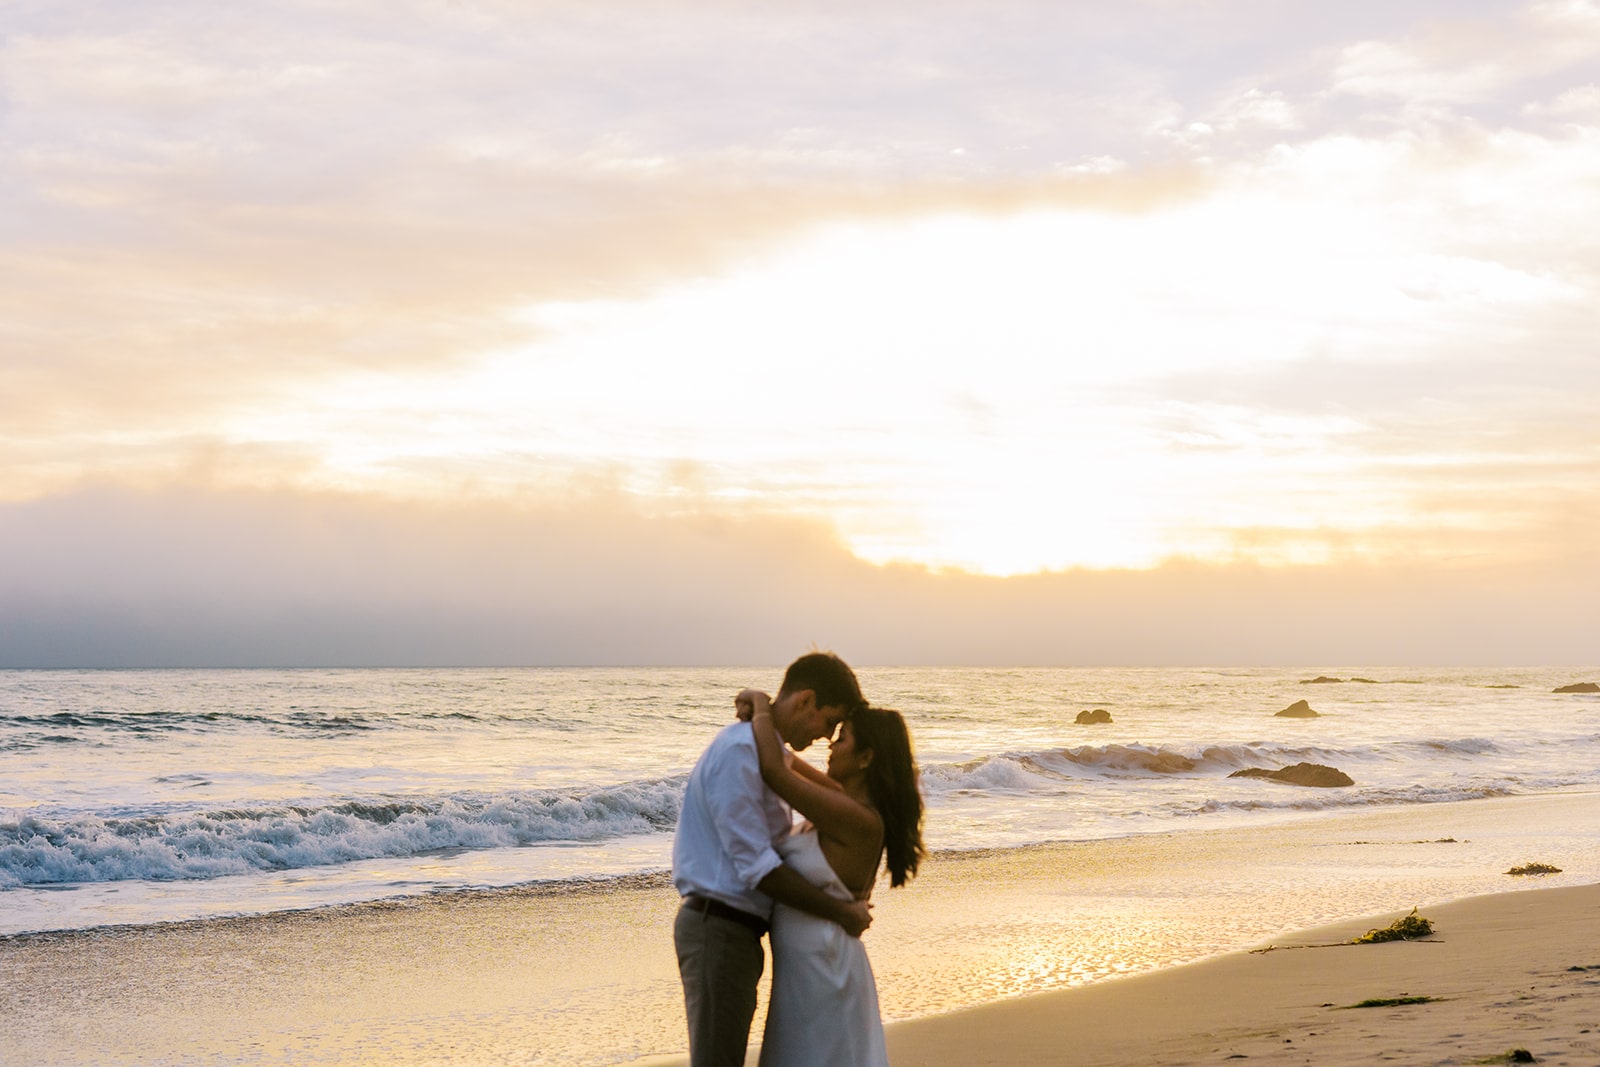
(1055, 769)
(38, 850)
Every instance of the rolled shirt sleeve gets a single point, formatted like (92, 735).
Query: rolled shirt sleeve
(734, 794)
(729, 825)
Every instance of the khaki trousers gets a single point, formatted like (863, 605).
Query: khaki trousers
(720, 962)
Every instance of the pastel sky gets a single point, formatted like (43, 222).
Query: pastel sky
(340, 331)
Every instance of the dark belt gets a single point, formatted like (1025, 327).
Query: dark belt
(708, 906)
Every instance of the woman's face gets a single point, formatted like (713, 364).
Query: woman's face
(844, 759)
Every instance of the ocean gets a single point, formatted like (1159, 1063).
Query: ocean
(141, 796)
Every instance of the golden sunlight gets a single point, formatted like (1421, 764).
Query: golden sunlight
(1001, 394)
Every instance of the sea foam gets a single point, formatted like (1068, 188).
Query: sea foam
(164, 793)
(38, 850)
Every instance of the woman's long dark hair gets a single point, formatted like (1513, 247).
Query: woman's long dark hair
(892, 785)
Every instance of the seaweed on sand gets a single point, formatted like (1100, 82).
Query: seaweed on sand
(1404, 929)
(1390, 1002)
(1535, 868)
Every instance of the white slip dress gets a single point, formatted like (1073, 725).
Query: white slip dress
(824, 1004)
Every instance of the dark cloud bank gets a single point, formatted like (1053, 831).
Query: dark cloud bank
(202, 578)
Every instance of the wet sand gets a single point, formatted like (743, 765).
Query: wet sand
(1501, 973)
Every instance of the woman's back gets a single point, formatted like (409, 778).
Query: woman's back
(853, 861)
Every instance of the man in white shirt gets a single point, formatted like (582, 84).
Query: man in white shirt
(727, 870)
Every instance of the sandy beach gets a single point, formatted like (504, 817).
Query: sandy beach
(1104, 952)
(1501, 973)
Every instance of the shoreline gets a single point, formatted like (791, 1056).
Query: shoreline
(655, 878)
(586, 976)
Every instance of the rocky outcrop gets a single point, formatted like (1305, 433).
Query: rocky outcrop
(1317, 775)
(1579, 687)
(1298, 710)
(1086, 718)
(1321, 679)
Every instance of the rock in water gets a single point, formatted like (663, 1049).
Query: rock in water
(1579, 687)
(1312, 774)
(1298, 710)
(1097, 715)
(1321, 679)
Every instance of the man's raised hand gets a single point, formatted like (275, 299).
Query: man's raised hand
(856, 918)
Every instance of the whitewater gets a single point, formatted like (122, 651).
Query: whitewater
(160, 795)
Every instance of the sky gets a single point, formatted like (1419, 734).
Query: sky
(1156, 332)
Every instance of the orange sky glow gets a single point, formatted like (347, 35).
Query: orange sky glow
(942, 291)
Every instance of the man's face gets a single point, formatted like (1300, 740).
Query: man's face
(833, 716)
(806, 721)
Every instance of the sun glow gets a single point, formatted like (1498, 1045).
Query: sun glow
(1002, 394)
(1301, 314)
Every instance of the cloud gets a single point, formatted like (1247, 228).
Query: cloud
(203, 205)
(237, 309)
(219, 226)
(191, 576)
(186, 577)
(1385, 69)
(1472, 58)
(1581, 103)
(200, 204)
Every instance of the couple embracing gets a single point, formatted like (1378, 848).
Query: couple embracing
(745, 870)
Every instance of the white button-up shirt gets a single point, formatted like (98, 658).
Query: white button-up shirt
(729, 825)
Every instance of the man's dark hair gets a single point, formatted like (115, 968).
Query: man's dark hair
(828, 676)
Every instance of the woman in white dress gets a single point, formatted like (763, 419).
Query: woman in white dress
(824, 1004)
